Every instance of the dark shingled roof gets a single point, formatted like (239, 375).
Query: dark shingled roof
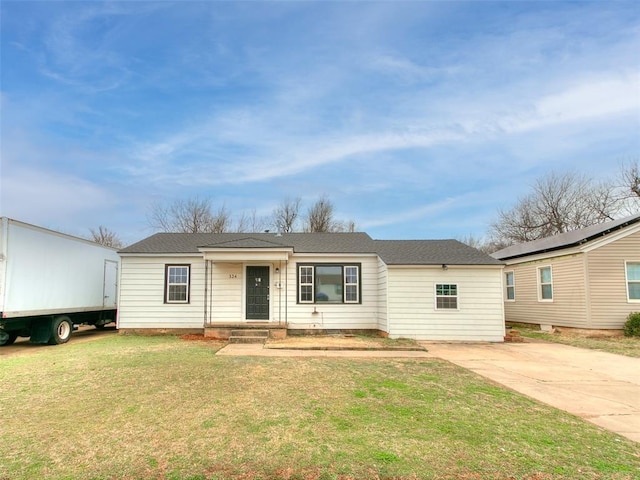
(564, 240)
(392, 252)
(300, 242)
(431, 252)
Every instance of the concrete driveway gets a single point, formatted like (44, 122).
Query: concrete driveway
(602, 388)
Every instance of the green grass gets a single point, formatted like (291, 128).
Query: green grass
(127, 407)
(628, 346)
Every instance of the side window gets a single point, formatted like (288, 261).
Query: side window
(510, 285)
(177, 278)
(446, 296)
(633, 281)
(545, 284)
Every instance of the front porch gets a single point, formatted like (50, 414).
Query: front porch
(227, 331)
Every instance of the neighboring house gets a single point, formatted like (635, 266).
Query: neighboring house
(423, 289)
(588, 278)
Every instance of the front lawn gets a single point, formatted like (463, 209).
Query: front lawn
(127, 407)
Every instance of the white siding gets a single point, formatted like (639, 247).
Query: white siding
(411, 304)
(142, 294)
(227, 293)
(382, 297)
(335, 316)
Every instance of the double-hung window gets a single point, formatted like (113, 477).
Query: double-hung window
(633, 281)
(328, 283)
(510, 285)
(545, 284)
(177, 283)
(446, 296)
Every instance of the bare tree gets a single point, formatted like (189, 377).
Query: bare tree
(559, 203)
(251, 223)
(106, 237)
(189, 216)
(631, 178)
(286, 215)
(320, 216)
(346, 226)
(628, 189)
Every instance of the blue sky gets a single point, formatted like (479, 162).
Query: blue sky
(417, 119)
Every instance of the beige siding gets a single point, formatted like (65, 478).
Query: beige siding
(335, 316)
(141, 302)
(569, 305)
(411, 304)
(607, 282)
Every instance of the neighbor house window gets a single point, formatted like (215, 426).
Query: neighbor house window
(545, 283)
(633, 280)
(509, 281)
(324, 283)
(446, 296)
(177, 284)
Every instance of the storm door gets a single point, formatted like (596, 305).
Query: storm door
(257, 293)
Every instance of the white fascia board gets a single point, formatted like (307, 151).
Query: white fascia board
(158, 255)
(449, 266)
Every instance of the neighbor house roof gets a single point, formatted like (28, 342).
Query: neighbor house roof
(564, 240)
(392, 252)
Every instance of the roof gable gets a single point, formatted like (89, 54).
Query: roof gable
(565, 240)
(248, 242)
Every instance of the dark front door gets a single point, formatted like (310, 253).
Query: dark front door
(257, 293)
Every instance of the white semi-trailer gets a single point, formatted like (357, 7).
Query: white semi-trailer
(51, 282)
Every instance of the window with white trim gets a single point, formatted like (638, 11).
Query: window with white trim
(446, 296)
(177, 283)
(545, 284)
(328, 283)
(510, 286)
(633, 281)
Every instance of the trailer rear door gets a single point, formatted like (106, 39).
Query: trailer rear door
(110, 283)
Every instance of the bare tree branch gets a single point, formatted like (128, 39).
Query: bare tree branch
(285, 216)
(320, 216)
(106, 237)
(559, 203)
(189, 216)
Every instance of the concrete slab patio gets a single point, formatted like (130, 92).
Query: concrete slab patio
(600, 387)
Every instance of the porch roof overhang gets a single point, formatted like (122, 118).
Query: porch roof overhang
(246, 254)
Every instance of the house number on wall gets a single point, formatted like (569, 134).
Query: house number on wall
(233, 275)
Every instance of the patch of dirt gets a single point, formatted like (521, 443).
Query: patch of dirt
(342, 342)
(199, 337)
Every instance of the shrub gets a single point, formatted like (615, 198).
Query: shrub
(632, 325)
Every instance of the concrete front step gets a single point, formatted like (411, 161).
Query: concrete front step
(225, 331)
(247, 339)
(250, 333)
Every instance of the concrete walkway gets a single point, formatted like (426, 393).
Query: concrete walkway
(260, 351)
(602, 388)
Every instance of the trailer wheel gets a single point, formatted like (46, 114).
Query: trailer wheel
(10, 339)
(61, 328)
